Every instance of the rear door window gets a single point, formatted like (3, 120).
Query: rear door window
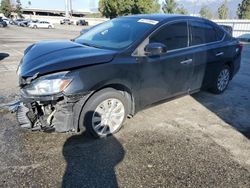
(202, 33)
(174, 36)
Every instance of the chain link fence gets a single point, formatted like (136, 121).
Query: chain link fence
(241, 28)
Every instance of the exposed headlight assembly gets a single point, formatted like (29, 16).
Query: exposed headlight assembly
(48, 85)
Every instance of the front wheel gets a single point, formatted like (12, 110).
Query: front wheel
(222, 80)
(104, 113)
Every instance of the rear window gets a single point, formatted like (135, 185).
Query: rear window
(203, 33)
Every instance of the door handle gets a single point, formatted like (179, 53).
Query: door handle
(186, 62)
(220, 54)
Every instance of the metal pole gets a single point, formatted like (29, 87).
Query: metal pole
(66, 9)
(70, 7)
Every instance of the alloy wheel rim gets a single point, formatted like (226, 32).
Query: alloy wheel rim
(223, 79)
(108, 116)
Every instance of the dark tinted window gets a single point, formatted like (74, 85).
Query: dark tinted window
(174, 36)
(203, 33)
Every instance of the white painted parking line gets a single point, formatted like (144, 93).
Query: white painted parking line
(8, 65)
(7, 69)
(12, 67)
(2, 69)
(17, 51)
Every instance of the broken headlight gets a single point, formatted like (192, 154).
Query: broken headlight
(48, 85)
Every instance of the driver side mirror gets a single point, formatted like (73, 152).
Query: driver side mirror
(155, 49)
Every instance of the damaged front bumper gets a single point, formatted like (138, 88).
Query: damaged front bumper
(57, 113)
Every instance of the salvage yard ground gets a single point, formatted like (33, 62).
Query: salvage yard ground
(199, 140)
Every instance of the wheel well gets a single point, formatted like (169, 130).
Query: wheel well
(127, 93)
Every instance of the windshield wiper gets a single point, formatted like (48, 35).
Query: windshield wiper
(91, 45)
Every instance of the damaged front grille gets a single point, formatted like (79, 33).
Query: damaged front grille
(33, 118)
(47, 116)
(22, 117)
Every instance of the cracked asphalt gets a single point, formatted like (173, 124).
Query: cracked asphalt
(194, 141)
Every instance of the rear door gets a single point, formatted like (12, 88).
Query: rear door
(209, 52)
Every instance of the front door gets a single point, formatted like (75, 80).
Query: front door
(170, 74)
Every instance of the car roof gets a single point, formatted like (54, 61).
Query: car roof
(162, 17)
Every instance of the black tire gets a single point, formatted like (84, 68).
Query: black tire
(49, 27)
(35, 26)
(85, 121)
(216, 89)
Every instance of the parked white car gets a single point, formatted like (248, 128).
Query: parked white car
(7, 21)
(41, 24)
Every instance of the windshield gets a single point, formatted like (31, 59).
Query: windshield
(115, 34)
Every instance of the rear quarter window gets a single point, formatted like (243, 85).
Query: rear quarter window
(220, 33)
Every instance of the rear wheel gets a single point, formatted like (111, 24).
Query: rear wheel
(35, 26)
(104, 113)
(222, 80)
(49, 26)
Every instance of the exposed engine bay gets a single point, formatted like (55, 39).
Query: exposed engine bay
(55, 115)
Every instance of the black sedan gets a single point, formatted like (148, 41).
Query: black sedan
(117, 68)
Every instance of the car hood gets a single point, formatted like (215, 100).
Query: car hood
(53, 56)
